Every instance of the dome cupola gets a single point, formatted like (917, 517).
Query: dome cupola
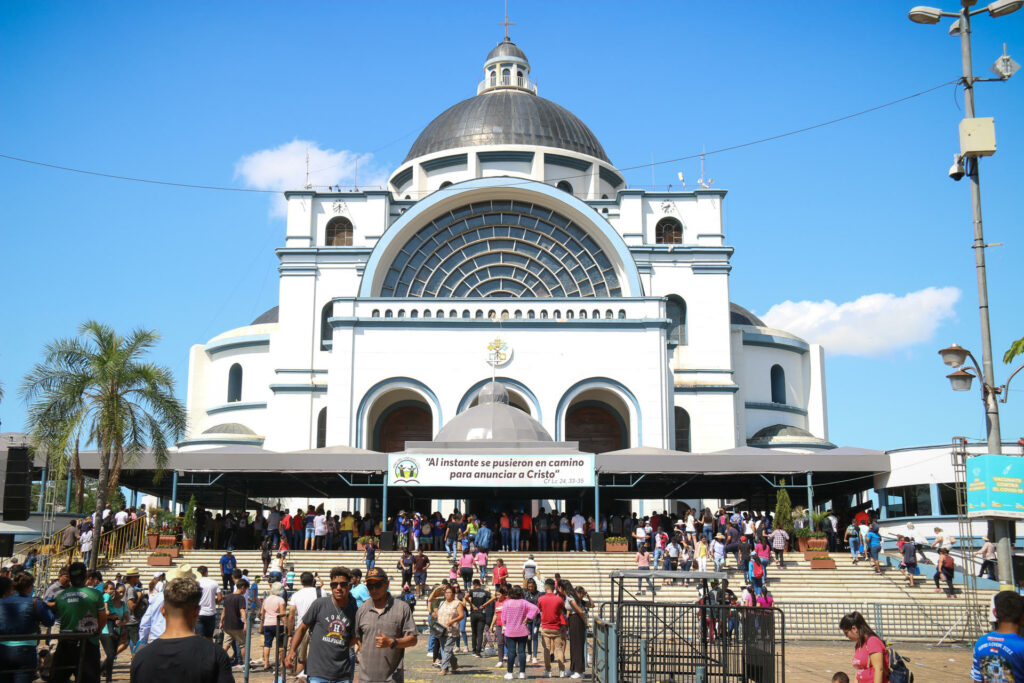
(507, 67)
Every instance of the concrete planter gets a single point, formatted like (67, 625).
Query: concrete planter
(616, 547)
(823, 564)
(159, 560)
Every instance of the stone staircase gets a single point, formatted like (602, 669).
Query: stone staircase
(795, 583)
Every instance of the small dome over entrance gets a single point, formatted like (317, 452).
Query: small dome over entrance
(493, 419)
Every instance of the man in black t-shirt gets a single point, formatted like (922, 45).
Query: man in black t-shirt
(330, 621)
(478, 600)
(232, 619)
(179, 655)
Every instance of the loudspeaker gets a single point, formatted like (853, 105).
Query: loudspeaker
(597, 541)
(7, 545)
(387, 540)
(17, 484)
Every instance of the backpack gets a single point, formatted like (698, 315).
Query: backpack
(899, 672)
(758, 570)
(141, 604)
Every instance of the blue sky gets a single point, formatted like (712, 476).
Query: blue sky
(185, 92)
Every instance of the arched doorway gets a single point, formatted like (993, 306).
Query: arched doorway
(597, 426)
(401, 422)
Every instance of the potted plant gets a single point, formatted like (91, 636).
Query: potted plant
(171, 550)
(159, 559)
(783, 511)
(822, 562)
(167, 525)
(188, 526)
(152, 530)
(616, 544)
(817, 541)
(361, 542)
(803, 535)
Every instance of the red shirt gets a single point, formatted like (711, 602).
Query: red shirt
(551, 609)
(297, 523)
(499, 574)
(527, 522)
(286, 522)
(504, 522)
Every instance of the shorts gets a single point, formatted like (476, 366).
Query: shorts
(421, 578)
(873, 551)
(237, 635)
(206, 625)
(310, 533)
(302, 651)
(268, 636)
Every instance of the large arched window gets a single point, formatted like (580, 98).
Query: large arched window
(321, 428)
(597, 426)
(403, 421)
(675, 308)
(339, 232)
(235, 383)
(778, 384)
(682, 430)
(668, 231)
(326, 331)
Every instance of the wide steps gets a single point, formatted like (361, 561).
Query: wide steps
(797, 582)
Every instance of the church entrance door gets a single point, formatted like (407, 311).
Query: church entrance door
(400, 423)
(597, 426)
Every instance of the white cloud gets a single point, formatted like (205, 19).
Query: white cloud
(872, 325)
(284, 168)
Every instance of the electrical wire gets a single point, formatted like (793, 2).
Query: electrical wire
(720, 150)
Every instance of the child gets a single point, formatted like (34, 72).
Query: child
(290, 576)
(840, 677)
(453, 573)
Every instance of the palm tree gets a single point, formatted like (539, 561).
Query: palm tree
(97, 388)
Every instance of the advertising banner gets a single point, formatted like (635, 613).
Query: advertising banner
(995, 486)
(491, 470)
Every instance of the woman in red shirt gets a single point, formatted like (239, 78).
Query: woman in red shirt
(500, 572)
(870, 656)
(498, 624)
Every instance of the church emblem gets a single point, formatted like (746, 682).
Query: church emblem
(499, 353)
(406, 471)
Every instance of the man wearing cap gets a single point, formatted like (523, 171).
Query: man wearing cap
(228, 563)
(384, 628)
(80, 610)
(131, 599)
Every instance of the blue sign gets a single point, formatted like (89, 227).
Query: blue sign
(995, 486)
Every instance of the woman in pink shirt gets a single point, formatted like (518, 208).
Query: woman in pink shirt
(643, 563)
(870, 657)
(466, 561)
(498, 625)
(516, 612)
(481, 562)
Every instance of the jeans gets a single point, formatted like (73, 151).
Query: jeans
(228, 582)
(640, 582)
(65, 662)
(658, 554)
(542, 540)
(581, 542)
(516, 647)
(946, 574)
(719, 561)
(988, 567)
(531, 641)
(317, 679)
(854, 548)
(708, 531)
(515, 538)
(506, 536)
(13, 658)
(478, 622)
(330, 541)
(370, 563)
(448, 659)
(86, 556)
(346, 540)
(275, 538)
(449, 547)
(483, 574)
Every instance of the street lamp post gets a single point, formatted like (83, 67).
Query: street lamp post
(930, 15)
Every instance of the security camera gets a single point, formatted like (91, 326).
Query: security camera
(956, 171)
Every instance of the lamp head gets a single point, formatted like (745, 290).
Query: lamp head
(925, 15)
(960, 380)
(1000, 8)
(954, 356)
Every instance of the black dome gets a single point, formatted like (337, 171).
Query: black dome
(269, 316)
(507, 48)
(507, 117)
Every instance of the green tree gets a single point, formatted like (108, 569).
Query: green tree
(783, 511)
(1016, 349)
(97, 387)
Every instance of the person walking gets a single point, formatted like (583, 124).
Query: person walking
(228, 564)
(945, 569)
(384, 629)
(328, 625)
(449, 613)
(870, 656)
(180, 655)
(987, 553)
(517, 612)
(272, 613)
(643, 564)
(909, 564)
(232, 621)
(478, 599)
(552, 611)
(466, 561)
(531, 594)
(577, 630)
(780, 541)
(21, 613)
(874, 541)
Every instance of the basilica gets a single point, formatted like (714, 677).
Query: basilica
(508, 247)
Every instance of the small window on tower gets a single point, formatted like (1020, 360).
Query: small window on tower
(564, 186)
(339, 232)
(668, 231)
(494, 77)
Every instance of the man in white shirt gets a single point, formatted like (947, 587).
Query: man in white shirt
(320, 531)
(153, 623)
(529, 570)
(578, 524)
(208, 601)
(298, 604)
(121, 518)
(85, 544)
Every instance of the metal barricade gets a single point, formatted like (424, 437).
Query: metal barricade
(906, 621)
(605, 651)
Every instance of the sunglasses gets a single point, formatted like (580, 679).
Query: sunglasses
(339, 584)
(374, 586)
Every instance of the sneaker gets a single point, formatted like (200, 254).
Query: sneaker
(522, 675)
(509, 677)
(533, 660)
(238, 667)
(576, 675)
(301, 676)
(501, 663)
(561, 674)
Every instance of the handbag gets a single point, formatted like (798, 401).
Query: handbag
(437, 629)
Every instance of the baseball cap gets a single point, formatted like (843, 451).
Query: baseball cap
(375, 575)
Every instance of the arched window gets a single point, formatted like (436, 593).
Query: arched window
(479, 313)
(388, 313)
(401, 312)
(622, 314)
(454, 314)
(682, 430)
(569, 315)
(465, 313)
(445, 184)
(427, 313)
(326, 331)
(564, 186)
(608, 314)
(557, 315)
(506, 77)
(543, 315)
(668, 231)
(235, 383)
(596, 315)
(376, 313)
(778, 384)
(675, 308)
(494, 77)
(530, 314)
(519, 314)
(414, 313)
(339, 232)
(321, 428)
(440, 313)
(583, 314)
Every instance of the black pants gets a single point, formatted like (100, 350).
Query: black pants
(229, 582)
(478, 622)
(65, 662)
(946, 574)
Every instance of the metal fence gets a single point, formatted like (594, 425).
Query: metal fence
(74, 665)
(909, 621)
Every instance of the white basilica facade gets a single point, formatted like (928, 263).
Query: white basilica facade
(507, 234)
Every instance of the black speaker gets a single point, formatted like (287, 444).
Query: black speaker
(387, 540)
(7, 545)
(597, 541)
(17, 484)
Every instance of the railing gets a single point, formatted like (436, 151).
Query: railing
(75, 667)
(892, 621)
(42, 544)
(520, 82)
(109, 546)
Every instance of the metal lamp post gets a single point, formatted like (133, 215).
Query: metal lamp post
(967, 164)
